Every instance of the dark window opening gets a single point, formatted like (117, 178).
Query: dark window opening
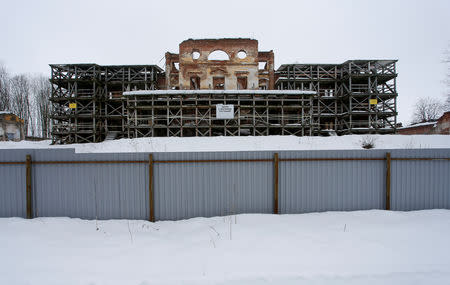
(242, 83)
(262, 84)
(195, 82)
(218, 83)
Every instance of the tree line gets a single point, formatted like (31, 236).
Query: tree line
(27, 96)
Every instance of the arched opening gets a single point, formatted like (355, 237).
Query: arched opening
(218, 55)
(195, 55)
(241, 54)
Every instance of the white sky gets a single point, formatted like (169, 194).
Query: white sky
(36, 33)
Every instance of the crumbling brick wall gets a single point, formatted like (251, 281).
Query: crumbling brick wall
(239, 69)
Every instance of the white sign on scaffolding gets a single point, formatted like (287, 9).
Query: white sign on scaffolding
(224, 111)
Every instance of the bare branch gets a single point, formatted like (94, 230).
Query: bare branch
(427, 110)
(4, 90)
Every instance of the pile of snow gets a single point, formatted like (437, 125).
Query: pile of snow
(363, 247)
(250, 143)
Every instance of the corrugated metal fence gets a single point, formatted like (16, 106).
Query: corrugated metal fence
(185, 185)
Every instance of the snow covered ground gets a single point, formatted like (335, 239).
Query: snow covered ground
(201, 144)
(363, 247)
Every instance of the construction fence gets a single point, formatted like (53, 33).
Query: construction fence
(173, 186)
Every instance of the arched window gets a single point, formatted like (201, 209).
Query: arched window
(218, 55)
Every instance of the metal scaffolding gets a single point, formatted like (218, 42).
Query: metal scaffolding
(358, 96)
(193, 113)
(87, 104)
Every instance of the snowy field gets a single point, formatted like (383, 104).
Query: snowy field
(363, 247)
(201, 144)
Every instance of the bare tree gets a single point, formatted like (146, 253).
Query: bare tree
(29, 98)
(427, 110)
(4, 89)
(42, 89)
(20, 100)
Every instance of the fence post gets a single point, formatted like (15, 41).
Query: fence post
(150, 188)
(275, 183)
(28, 187)
(388, 181)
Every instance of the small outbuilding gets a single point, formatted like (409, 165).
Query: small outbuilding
(439, 127)
(11, 127)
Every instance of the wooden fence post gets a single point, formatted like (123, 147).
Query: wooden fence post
(28, 187)
(388, 181)
(150, 188)
(275, 183)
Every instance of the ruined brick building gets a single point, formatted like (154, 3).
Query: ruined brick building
(11, 127)
(222, 87)
(202, 67)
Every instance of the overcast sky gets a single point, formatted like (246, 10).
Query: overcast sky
(417, 33)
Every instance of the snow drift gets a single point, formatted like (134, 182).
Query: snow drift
(210, 144)
(363, 247)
